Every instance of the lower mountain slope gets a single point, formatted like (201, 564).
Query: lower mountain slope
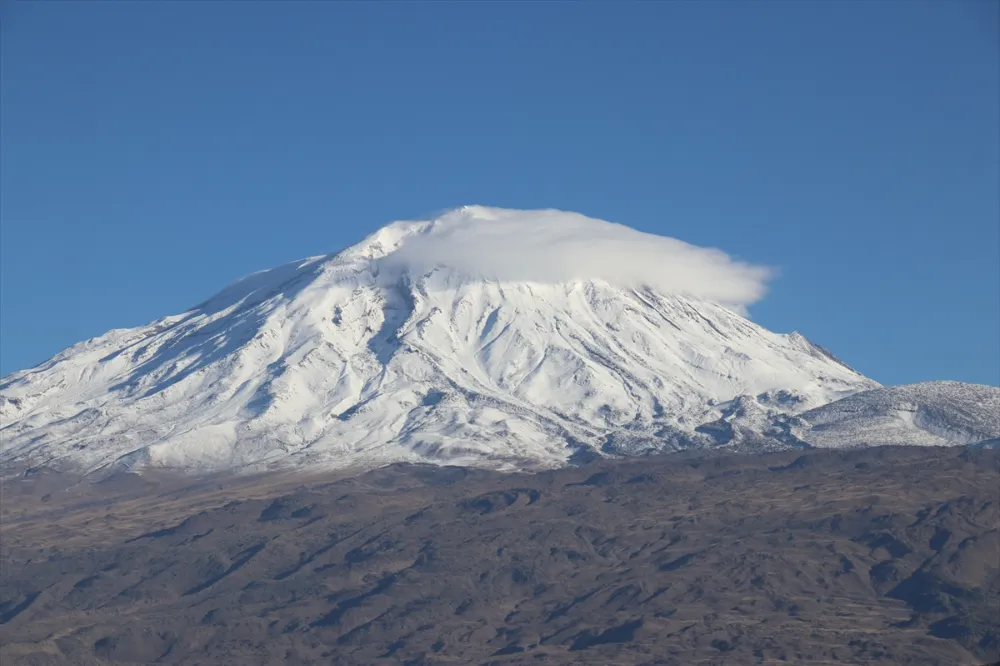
(878, 556)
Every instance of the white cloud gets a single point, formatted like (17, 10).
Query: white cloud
(554, 246)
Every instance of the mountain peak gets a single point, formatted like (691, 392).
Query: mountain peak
(480, 336)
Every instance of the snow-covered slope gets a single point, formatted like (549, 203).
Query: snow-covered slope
(483, 337)
(930, 413)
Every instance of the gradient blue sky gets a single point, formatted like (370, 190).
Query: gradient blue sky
(153, 152)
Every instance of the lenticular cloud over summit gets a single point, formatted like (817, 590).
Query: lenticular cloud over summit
(552, 246)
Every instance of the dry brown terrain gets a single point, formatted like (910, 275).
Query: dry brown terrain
(882, 556)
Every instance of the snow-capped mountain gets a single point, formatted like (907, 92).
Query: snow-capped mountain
(511, 339)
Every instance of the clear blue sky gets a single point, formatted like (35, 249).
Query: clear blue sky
(153, 152)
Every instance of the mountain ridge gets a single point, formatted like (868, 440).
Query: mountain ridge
(418, 345)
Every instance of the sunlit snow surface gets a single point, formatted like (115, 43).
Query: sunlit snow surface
(931, 413)
(438, 341)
